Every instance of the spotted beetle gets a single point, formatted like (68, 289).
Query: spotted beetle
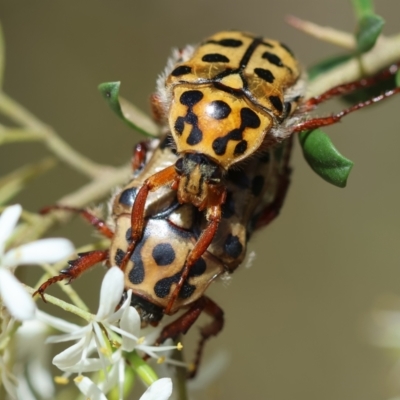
(230, 99)
(230, 107)
(254, 198)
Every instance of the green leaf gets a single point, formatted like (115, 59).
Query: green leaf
(129, 113)
(326, 65)
(324, 159)
(363, 7)
(369, 28)
(397, 79)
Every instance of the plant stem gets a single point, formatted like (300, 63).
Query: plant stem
(386, 52)
(59, 147)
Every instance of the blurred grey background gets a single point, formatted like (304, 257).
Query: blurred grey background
(295, 320)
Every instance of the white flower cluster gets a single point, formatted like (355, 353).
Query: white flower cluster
(111, 333)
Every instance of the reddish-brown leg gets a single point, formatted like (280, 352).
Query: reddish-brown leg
(85, 260)
(139, 155)
(214, 217)
(98, 223)
(185, 321)
(76, 268)
(350, 87)
(315, 123)
(162, 178)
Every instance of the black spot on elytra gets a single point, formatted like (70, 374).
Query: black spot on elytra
(195, 136)
(232, 246)
(119, 255)
(227, 42)
(257, 185)
(190, 98)
(198, 268)
(163, 254)
(179, 125)
(128, 196)
(181, 70)
(265, 74)
(136, 274)
(276, 102)
(249, 119)
(219, 144)
(163, 287)
(272, 58)
(228, 208)
(218, 109)
(215, 58)
(240, 148)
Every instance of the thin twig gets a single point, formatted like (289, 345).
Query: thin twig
(92, 192)
(386, 52)
(59, 147)
(325, 33)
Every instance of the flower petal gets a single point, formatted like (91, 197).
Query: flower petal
(8, 220)
(87, 365)
(57, 323)
(159, 390)
(70, 356)
(111, 292)
(67, 337)
(130, 322)
(89, 389)
(39, 252)
(16, 299)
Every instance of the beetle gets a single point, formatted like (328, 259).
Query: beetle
(230, 107)
(254, 198)
(232, 98)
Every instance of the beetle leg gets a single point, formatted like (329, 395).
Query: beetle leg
(186, 320)
(315, 123)
(164, 177)
(76, 268)
(211, 329)
(139, 155)
(350, 87)
(214, 215)
(98, 223)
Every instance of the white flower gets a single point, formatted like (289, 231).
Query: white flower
(32, 361)
(161, 389)
(97, 333)
(16, 299)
